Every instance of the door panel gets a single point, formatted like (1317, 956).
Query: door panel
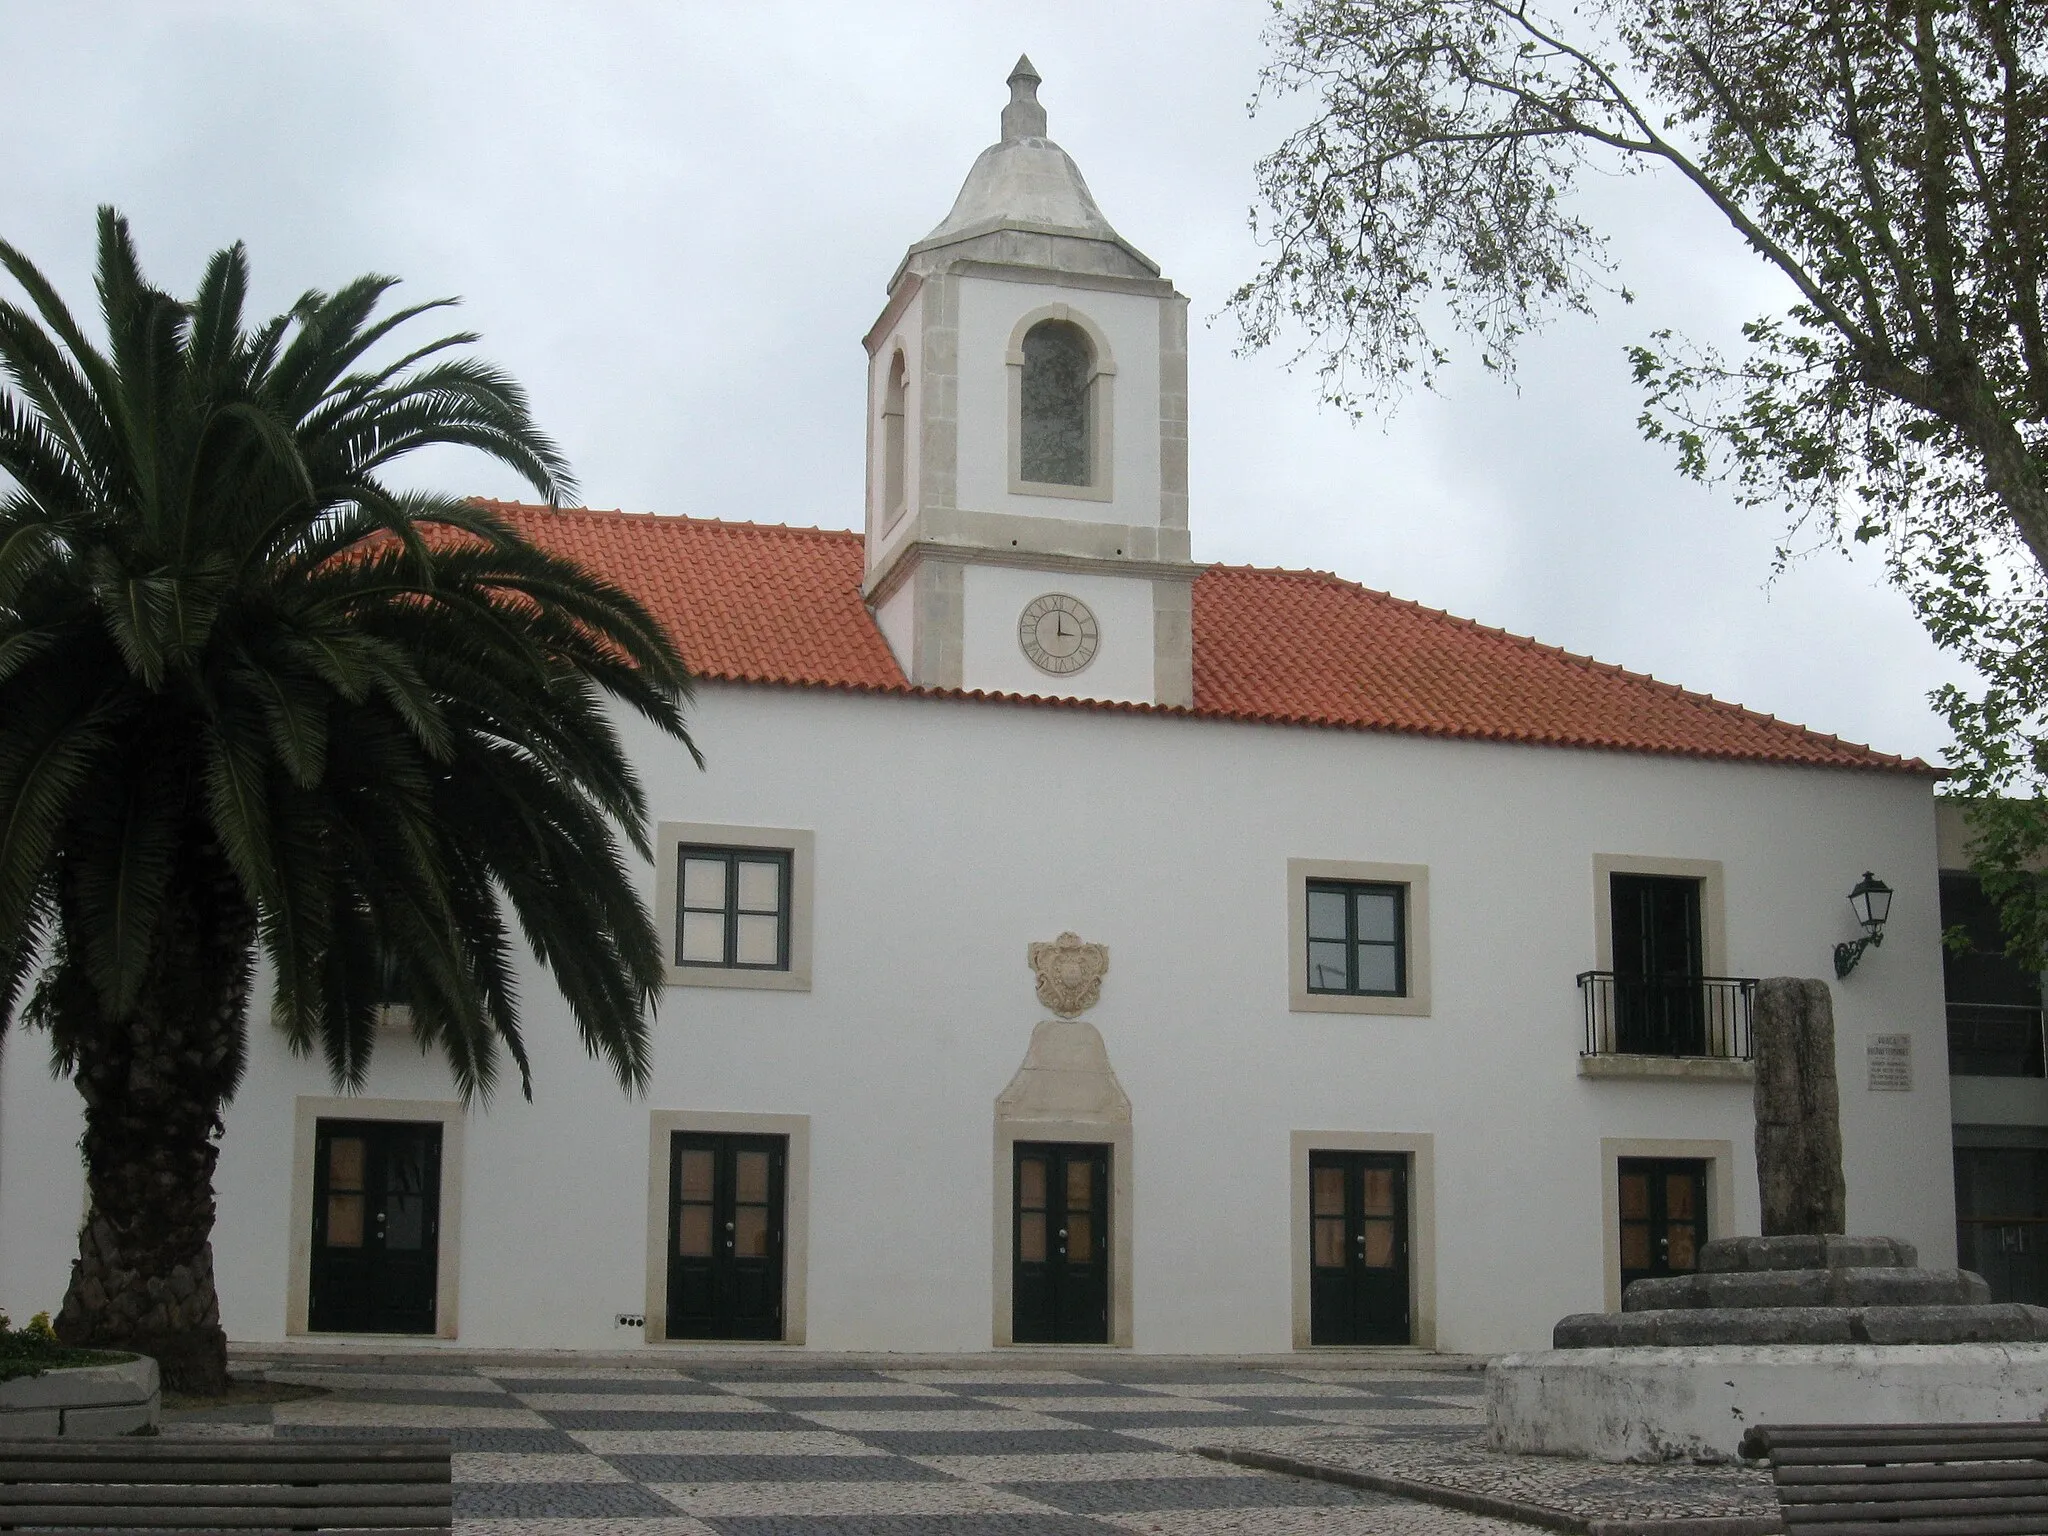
(1659, 957)
(376, 1227)
(1358, 1248)
(1059, 1283)
(725, 1240)
(1663, 1216)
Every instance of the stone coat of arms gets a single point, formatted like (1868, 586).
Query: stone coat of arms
(1070, 973)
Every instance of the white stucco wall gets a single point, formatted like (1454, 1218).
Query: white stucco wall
(949, 835)
(994, 600)
(989, 312)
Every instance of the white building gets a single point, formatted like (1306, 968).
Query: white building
(1345, 1081)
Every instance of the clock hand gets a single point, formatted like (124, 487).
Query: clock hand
(1060, 626)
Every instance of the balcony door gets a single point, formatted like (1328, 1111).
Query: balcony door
(1659, 1003)
(725, 1236)
(376, 1226)
(1358, 1248)
(2002, 1219)
(1059, 1287)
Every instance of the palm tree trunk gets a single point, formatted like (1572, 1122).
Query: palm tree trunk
(154, 1083)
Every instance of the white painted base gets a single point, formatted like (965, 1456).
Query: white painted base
(1649, 1405)
(90, 1401)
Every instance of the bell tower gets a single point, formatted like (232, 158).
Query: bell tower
(1027, 507)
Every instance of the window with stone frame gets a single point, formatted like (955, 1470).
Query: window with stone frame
(733, 907)
(1357, 938)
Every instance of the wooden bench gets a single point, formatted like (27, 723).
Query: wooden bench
(141, 1484)
(1907, 1479)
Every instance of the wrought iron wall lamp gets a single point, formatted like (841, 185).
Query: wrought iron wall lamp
(1871, 901)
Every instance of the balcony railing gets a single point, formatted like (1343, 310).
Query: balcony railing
(1994, 1040)
(1667, 1015)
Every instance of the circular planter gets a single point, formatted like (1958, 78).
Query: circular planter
(84, 1400)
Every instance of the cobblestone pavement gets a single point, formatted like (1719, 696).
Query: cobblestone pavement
(813, 1450)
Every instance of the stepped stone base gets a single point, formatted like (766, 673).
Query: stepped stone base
(1817, 1251)
(1676, 1404)
(2007, 1322)
(1812, 1288)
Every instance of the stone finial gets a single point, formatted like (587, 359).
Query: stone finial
(1023, 118)
(1070, 973)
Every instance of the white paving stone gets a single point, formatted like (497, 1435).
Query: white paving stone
(384, 1381)
(863, 1421)
(711, 1500)
(1106, 1404)
(640, 1402)
(974, 1378)
(534, 1467)
(584, 1525)
(1255, 1389)
(1091, 1468)
(332, 1411)
(1403, 1519)
(774, 1389)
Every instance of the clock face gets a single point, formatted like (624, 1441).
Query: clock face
(1058, 633)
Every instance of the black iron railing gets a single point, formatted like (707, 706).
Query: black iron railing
(1994, 1040)
(1667, 1015)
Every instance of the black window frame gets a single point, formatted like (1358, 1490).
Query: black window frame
(1350, 890)
(732, 856)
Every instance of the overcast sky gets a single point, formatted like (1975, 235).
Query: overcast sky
(673, 222)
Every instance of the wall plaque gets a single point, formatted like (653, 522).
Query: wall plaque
(1890, 1059)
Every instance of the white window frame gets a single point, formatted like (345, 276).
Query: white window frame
(1414, 1003)
(798, 844)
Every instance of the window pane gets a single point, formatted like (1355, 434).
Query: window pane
(405, 1223)
(704, 883)
(1635, 1246)
(1328, 1199)
(1635, 1196)
(345, 1163)
(1326, 915)
(703, 938)
(750, 1178)
(696, 1174)
(1031, 1237)
(1379, 1245)
(760, 886)
(693, 1232)
(750, 1232)
(1080, 1239)
(1379, 915)
(1329, 1244)
(344, 1221)
(1326, 972)
(1080, 1186)
(1379, 1191)
(1678, 1201)
(1031, 1184)
(1679, 1253)
(760, 940)
(1379, 968)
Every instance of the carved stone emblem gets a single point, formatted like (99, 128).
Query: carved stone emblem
(1070, 973)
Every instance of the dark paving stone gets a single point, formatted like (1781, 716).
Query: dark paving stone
(907, 1525)
(650, 1386)
(1177, 1374)
(997, 1442)
(532, 1442)
(1044, 1389)
(1143, 1419)
(786, 1404)
(775, 1469)
(788, 1370)
(763, 1422)
(233, 1413)
(1143, 1493)
(474, 1500)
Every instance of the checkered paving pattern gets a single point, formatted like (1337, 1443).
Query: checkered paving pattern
(791, 1450)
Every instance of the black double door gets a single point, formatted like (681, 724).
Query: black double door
(725, 1236)
(1663, 1216)
(1358, 1248)
(1059, 1286)
(1659, 1003)
(376, 1227)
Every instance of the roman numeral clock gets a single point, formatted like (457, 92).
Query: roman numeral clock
(1058, 634)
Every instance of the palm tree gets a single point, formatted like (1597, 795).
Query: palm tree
(256, 701)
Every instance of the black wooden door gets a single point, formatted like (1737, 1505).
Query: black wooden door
(376, 1226)
(1663, 1216)
(1358, 1248)
(725, 1236)
(1659, 1005)
(1060, 1282)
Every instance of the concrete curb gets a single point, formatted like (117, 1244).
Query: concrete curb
(300, 1354)
(1492, 1504)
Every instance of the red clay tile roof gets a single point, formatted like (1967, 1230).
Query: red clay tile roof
(757, 603)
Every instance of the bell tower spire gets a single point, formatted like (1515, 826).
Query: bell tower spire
(1023, 118)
